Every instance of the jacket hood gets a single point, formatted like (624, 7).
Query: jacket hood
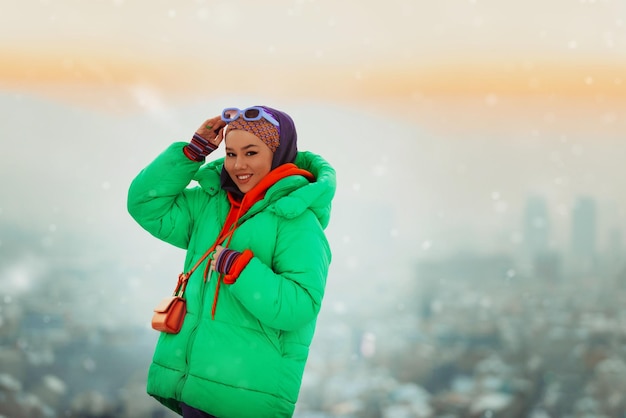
(290, 196)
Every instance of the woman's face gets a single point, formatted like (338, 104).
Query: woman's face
(247, 160)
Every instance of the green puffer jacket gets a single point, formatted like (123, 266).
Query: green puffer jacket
(248, 360)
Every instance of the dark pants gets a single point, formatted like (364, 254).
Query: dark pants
(189, 412)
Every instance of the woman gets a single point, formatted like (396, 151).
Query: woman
(252, 307)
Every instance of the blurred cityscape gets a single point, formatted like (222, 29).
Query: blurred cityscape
(539, 333)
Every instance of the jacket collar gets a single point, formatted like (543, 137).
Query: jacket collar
(291, 194)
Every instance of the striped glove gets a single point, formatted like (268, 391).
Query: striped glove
(198, 148)
(231, 263)
(206, 139)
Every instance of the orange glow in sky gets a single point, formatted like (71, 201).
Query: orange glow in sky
(526, 56)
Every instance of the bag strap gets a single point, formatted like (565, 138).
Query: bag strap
(184, 277)
(209, 251)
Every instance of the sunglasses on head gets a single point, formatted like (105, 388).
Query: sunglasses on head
(250, 114)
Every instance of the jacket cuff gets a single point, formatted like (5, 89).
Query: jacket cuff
(240, 263)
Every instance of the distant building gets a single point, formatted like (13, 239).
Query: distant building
(616, 243)
(614, 254)
(542, 261)
(583, 236)
(465, 267)
(547, 266)
(536, 226)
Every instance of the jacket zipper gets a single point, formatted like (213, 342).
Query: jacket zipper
(192, 335)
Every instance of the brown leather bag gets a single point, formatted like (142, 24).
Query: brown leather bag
(169, 315)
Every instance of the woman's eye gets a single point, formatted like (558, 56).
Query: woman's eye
(230, 154)
(251, 153)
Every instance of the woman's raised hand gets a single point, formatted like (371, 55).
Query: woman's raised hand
(211, 130)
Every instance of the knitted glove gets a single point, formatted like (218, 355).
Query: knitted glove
(206, 139)
(231, 263)
(198, 148)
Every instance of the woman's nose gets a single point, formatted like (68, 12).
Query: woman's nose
(239, 162)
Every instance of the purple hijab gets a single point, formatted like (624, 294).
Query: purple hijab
(285, 153)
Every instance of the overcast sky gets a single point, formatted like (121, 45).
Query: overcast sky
(347, 50)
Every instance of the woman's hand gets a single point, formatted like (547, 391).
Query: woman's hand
(215, 256)
(212, 130)
(229, 263)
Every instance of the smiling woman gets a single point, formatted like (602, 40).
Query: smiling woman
(259, 215)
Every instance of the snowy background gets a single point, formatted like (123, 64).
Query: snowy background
(477, 230)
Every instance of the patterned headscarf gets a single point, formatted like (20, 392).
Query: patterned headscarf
(261, 128)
